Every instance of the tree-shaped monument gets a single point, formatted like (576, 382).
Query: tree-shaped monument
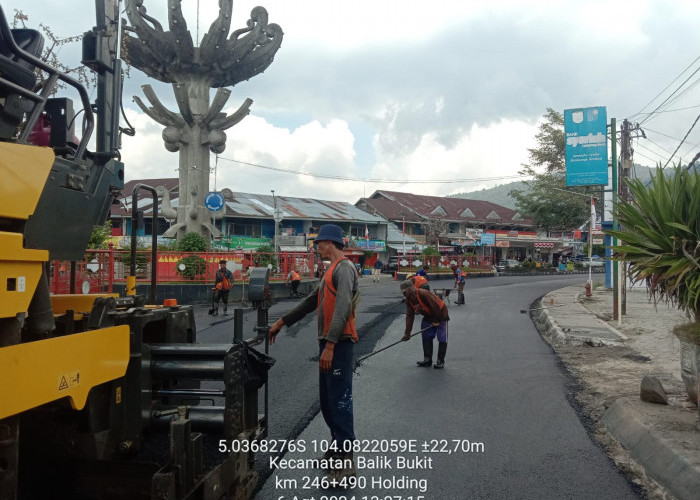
(219, 61)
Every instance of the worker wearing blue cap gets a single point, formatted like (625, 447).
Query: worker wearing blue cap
(335, 297)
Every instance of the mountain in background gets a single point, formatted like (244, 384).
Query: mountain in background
(499, 194)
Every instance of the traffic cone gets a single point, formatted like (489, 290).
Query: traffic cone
(396, 275)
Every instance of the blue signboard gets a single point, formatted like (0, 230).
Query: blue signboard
(586, 146)
(488, 239)
(214, 201)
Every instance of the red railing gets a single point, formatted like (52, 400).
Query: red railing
(101, 269)
(437, 263)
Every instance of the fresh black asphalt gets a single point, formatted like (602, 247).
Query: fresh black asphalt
(503, 400)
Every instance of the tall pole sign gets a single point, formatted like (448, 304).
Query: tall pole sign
(586, 146)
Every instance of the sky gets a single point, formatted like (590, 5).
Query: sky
(434, 98)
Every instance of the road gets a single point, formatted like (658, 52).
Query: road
(503, 400)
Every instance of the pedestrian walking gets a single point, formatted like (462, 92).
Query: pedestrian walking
(222, 287)
(433, 323)
(335, 299)
(460, 279)
(377, 270)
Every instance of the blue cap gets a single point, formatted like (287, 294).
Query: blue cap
(330, 232)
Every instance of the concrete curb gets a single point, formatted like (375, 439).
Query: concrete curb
(660, 458)
(551, 329)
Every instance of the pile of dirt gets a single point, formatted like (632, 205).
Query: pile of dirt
(607, 372)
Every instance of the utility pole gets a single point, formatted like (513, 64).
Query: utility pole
(625, 167)
(615, 193)
(625, 173)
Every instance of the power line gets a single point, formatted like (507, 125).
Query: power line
(684, 138)
(668, 99)
(670, 110)
(378, 181)
(658, 160)
(664, 90)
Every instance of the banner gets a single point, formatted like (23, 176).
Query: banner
(586, 146)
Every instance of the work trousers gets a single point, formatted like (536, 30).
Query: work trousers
(460, 292)
(439, 331)
(335, 391)
(221, 295)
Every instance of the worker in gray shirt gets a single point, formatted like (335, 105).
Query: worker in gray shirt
(335, 297)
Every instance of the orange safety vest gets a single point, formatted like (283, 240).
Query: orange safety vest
(419, 281)
(295, 276)
(224, 283)
(426, 309)
(326, 304)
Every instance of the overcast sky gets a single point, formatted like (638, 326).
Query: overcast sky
(433, 91)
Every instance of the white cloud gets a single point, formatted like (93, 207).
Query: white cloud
(409, 89)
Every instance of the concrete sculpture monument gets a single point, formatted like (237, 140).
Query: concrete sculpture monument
(219, 61)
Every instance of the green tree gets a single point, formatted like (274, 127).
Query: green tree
(430, 252)
(99, 236)
(547, 200)
(265, 255)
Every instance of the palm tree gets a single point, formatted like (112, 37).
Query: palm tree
(661, 238)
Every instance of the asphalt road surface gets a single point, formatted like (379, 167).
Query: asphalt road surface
(498, 422)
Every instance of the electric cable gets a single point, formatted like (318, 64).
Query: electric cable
(684, 138)
(379, 181)
(664, 90)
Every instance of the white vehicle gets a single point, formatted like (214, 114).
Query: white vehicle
(595, 261)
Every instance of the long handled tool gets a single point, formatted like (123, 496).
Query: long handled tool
(213, 304)
(358, 361)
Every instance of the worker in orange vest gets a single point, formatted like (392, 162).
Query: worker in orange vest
(433, 324)
(222, 287)
(294, 278)
(334, 299)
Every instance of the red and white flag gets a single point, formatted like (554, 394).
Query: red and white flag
(593, 215)
(366, 233)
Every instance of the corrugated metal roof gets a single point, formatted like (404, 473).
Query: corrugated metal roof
(394, 205)
(395, 235)
(262, 205)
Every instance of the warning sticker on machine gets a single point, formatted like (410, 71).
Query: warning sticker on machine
(68, 380)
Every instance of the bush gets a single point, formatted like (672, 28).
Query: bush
(141, 258)
(99, 236)
(430, 251)
(192, 242)
(265, 255)
(194, 267)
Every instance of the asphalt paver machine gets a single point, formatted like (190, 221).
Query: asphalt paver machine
(101, 396)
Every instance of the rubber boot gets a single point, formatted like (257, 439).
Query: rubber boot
(225, 307)
(442, 349)
(337, 475)
(328, 455)
(427, 353)
(216, 310)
